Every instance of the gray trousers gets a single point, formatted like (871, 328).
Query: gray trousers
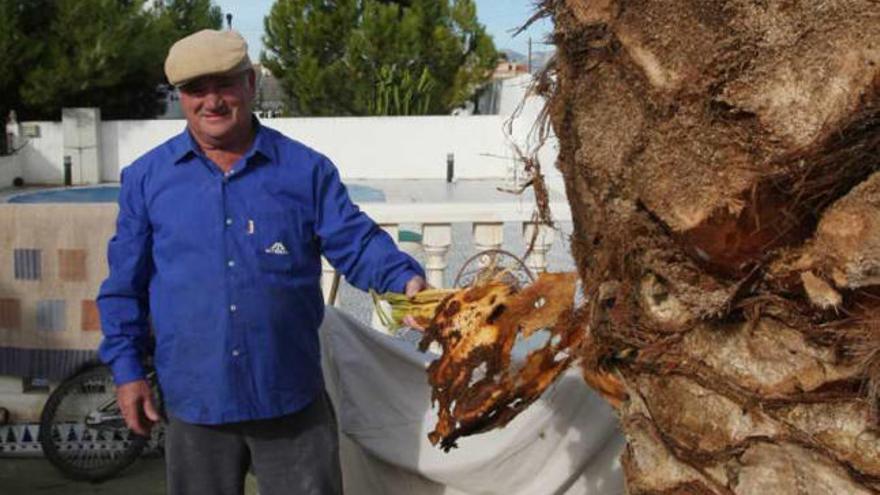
(296, 454)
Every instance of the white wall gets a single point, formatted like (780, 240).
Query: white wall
(362, 147)
(122, 141)
(42, 158)
(405, 147)
(10, 168)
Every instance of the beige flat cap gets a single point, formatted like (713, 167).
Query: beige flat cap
(206, 53)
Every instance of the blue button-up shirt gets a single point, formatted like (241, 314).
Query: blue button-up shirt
(227, 267)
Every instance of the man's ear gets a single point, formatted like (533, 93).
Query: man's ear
(250, 83)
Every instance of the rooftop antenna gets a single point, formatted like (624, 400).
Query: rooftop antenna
(229, 21)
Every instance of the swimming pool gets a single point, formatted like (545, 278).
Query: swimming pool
(110, 194)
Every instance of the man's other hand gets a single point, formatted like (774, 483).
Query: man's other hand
(413, 287)
(136, 402)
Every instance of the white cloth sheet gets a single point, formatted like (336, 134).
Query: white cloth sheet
(565, 443)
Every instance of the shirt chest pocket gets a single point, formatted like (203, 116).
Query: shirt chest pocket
(279, 243)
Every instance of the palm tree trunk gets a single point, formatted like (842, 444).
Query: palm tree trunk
(720, 159)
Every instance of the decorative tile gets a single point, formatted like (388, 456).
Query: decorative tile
(51, 315)
(27, 264)
(91, 320)
(72, 265)
(10, 313)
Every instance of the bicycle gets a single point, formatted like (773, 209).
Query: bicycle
(82, 431)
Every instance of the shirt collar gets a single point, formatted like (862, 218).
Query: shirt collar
(262, 144)
(185, 146)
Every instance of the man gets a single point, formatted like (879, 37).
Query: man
(218, 243)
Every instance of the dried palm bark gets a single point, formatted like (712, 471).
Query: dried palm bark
(719, 158)
(476, 383)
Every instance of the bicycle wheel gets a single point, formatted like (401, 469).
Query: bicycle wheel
(82, 431)
(491, 263)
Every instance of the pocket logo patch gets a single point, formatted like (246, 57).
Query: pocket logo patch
(277, 248)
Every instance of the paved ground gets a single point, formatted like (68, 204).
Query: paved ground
(38, 477)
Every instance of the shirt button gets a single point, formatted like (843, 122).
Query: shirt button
(230, 263)
(233, 307)
(235, 352)
(228, 221)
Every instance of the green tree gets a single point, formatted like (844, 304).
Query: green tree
(102, 53)
(399, 93)
(372, 57)
(20, 49)
(306, 40)
(99, 53)
(184, 17)
(11, 44)
(11, 39)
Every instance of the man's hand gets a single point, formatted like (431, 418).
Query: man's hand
(413, 287)
(136, 402)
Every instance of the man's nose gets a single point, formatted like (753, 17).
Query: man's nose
(213, 100)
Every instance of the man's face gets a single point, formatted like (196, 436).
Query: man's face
(218, 108)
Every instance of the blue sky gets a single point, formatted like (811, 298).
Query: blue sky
(500, 17)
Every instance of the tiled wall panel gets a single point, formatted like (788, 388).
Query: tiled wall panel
(51, 315)
(10, 313)
(72, 265)
(27, 264)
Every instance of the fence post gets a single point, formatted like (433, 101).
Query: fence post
(68, 171)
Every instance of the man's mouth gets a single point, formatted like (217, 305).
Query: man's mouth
(214, 116)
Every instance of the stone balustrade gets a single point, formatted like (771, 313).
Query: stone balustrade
(487, 230)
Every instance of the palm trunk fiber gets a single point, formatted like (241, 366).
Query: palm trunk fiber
(720, 159)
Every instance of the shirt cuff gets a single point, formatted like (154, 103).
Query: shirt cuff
(399, 284)
(127, 369)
